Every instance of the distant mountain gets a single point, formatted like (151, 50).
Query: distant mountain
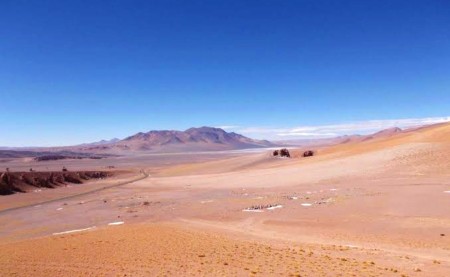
(380, 134)
(193, 139)
(101, 142)
(343, 139)
(385, 133)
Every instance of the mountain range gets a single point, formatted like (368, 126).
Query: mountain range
(343, 139)
(190, 140)
(193, 139)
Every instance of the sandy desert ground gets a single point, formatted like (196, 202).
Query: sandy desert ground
(379, 207)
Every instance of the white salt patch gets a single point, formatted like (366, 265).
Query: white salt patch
(333, 189)
(308, 192)
(306, 204)
(37, 206)
(206, 201)
(294, 197)
(447, 191)
(252, 211)
(275, 207)
(59, 209)
(116, 223)
(74, 231)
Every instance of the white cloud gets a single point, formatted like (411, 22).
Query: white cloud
(323, 131)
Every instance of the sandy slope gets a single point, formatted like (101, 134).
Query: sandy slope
(177, 251)
(373, 208)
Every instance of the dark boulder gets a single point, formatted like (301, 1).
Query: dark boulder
(285, 153)
(308, 153)
(281, 153)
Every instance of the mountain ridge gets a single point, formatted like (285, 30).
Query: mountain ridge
(192, 139)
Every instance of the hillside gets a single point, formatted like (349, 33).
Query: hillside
(436, 133)
(423, 150)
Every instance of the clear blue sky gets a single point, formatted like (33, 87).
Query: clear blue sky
(79, 71)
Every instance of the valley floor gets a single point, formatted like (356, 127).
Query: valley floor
(383, 212)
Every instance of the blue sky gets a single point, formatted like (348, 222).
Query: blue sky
(81, 71)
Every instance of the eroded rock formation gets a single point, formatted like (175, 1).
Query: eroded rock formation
(12, 182)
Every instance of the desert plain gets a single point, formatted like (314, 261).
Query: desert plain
(375, 207)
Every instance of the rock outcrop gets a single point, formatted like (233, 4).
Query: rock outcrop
(12, 182)
(281, 153)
